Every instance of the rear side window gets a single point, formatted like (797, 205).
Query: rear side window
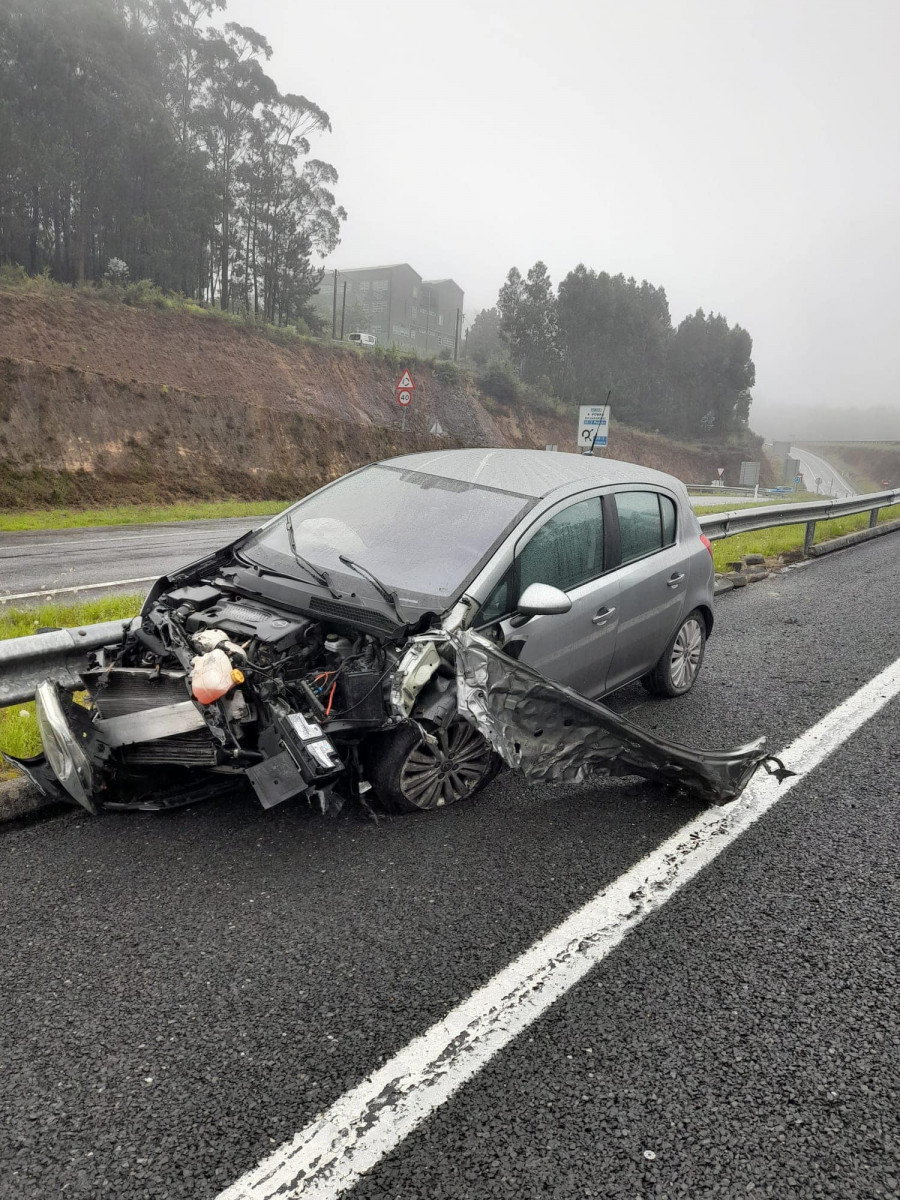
(645, 525)
(568, 550)
(667, 510)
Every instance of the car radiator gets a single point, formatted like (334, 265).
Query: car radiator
(123, 691)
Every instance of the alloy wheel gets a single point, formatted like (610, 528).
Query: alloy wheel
(446, 766)
(687, 652)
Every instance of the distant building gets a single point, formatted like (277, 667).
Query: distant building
(395, 304)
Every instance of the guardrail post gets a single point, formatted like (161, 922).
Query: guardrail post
(873, 517)
(809, 537)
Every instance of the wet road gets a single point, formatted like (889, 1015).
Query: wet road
(124, 558)
(831, 482)
(180, 995)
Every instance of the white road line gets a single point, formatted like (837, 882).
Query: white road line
(80, 587)
(365, 1124)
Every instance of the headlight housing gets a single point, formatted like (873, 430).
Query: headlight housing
(65, 755)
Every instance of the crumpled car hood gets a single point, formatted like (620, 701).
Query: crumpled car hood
(551, 733)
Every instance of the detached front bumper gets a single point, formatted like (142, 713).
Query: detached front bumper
(72, 767)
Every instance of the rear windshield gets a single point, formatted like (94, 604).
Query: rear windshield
(421, 535)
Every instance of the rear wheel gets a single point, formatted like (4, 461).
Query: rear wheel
(680, 662)
(416, 770)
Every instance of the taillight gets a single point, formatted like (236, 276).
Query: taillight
(707, 543)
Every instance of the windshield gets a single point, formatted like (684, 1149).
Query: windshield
(420, 535)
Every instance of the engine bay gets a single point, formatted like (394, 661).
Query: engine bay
(207, 678)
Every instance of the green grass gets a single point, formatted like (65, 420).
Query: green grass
(787, 538)
(18, 622)
(790, 498)
(18, 730)
(18, 735)
(137, 514)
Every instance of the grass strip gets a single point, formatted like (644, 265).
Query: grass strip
(787, 538)
(136, 514)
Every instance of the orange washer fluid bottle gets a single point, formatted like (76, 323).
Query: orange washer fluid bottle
(211, 676)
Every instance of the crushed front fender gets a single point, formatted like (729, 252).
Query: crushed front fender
(551, 733)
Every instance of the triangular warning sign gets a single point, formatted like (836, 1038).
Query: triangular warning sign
(406, 383)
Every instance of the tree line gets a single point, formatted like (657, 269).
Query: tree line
(598, 334)
(141, 133)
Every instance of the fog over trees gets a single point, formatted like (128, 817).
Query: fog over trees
(144, 139)
(147, 132)
(598, 333)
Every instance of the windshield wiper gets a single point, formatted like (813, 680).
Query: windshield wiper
(318, 576)
(384, 592)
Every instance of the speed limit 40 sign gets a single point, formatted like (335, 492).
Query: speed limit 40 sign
(405, 388)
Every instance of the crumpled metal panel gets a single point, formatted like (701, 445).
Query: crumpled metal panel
(551, 733)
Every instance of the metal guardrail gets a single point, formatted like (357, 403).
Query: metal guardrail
(59, 655)
(63, 653)
(710, 489)
(768, 516)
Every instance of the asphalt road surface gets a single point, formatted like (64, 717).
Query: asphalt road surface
(812, 467)
(181, 994)
(109, 559)
(114, 555)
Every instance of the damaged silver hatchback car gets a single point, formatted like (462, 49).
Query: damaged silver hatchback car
(400, 631)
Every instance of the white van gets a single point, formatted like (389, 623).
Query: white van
(362, 339)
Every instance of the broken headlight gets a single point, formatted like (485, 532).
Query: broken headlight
(66, 757)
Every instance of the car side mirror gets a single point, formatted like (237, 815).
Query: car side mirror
(540, 600)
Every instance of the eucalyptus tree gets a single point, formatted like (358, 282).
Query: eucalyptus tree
(135, 129)
(528, 323)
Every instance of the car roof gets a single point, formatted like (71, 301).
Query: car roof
(533, 473)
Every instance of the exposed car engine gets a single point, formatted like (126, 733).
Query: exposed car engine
(209, 679)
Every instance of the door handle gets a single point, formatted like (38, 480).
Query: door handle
(674, 580)
(602, 616)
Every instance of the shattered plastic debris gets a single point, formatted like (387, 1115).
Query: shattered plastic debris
(551, 733)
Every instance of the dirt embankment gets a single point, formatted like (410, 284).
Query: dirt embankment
(101, 402)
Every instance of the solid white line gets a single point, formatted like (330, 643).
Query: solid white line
(330, 1154)
(80, 587)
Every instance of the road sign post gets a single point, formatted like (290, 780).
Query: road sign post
(404, 387)
(593, 428)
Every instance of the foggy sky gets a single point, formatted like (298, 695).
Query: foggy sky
(742, 155)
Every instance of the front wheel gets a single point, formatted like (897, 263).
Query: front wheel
(414, 769)
(680, 662)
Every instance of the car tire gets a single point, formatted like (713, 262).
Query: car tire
(414, 769)
(679, 664)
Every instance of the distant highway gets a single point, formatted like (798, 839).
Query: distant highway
(110, 559)
(812, 467)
